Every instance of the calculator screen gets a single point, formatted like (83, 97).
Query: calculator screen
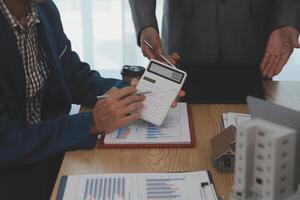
(165, 72)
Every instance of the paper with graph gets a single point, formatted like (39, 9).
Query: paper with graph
(234, 119)
(174, 130)
(151, 186)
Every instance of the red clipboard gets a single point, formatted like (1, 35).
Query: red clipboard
(101, 145)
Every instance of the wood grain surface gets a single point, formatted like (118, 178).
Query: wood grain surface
(207, 119)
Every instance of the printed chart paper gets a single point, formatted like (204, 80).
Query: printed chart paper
(155, 186)
(175, 130)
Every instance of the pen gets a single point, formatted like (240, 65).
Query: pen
(137, 93)
(162, 56)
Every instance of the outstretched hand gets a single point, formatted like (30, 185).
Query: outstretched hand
(280, 46)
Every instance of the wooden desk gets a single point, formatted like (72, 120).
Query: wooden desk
(207, 124)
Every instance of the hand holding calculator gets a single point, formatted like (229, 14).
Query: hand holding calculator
(164, 82)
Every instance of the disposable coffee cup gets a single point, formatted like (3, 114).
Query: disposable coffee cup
(129, 72)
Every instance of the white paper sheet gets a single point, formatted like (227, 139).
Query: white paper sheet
(235, 119)
(225, 120)
(154, 186)
(174, 130)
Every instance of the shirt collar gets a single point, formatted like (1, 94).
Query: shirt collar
(32, 17)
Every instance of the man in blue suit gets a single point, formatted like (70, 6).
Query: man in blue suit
(40, 76)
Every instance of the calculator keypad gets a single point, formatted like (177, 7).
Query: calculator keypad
(157, 103)
(164, 82)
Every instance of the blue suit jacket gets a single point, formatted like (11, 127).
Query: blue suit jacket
(29, 153)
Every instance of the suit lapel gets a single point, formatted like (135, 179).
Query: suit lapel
(49, 43)
(11, 61)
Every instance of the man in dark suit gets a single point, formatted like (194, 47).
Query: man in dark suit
(40, 76)
(232, 31)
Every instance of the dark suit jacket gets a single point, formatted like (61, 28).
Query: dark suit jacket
(217, 30)
(30, 154)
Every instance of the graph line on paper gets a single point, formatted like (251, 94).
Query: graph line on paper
(175, 129)
(163, 188)
(122, 133)
(155, 132)
(104, 188)
(140, 186)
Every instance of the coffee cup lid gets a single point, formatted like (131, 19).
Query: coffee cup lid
(129, 70)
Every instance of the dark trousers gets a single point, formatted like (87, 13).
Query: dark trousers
(32, 181)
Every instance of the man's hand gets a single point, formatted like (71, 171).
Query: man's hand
(119, 109)
(151, 35)
(280, 46)
(181, 93)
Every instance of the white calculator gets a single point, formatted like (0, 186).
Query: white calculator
(164, 82)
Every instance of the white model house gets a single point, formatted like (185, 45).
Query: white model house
(264, 164)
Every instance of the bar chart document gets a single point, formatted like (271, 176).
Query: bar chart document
(174, 130)
(151, 186)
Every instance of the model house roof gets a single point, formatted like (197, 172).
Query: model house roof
(223, 143)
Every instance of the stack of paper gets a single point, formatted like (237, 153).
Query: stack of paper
(147, 186)
(234, 119)
(174, 130)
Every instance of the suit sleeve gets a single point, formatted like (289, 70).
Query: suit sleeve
(24, 144)
(287, 13)
(83, 83)
(143, 15)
